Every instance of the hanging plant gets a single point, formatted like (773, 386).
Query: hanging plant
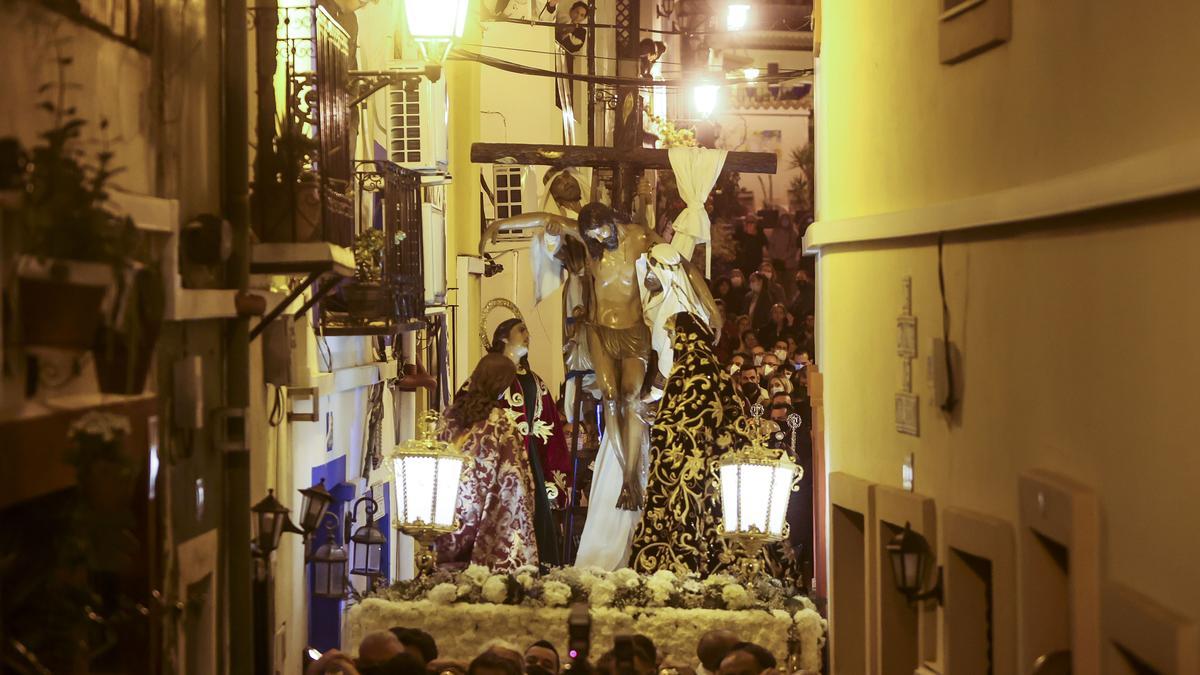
(80, 265)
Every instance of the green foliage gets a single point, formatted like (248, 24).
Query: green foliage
(368, 256)
(64, 213)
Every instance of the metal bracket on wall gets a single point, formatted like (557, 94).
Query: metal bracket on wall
(313, 395)
(363, 83)
(321, 291)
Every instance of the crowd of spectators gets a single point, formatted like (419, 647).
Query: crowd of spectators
(766, 297)
(410, 651)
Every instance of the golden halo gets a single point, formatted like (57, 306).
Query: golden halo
(493, 304)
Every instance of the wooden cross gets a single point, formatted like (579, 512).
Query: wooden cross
(627, 158)
(627, 162)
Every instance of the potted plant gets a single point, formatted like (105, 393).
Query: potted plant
(84, 278)
(368, 298)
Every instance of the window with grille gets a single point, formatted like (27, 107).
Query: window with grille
(404, 121)
(508, 191)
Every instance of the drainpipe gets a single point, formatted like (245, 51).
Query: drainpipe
(235, 188)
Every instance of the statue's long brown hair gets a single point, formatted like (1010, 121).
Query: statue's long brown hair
(492, 376)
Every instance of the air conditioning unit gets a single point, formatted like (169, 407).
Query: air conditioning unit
(433, 219)
(417, 135)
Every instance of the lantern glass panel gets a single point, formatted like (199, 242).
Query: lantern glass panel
(415, 478)
(449, 474)
(755, 496)
(436, 19)
(314, 508)
(781, 494)
(368, 543)
(897, 567)
(912, 570)
(270, 530)
(729, 498)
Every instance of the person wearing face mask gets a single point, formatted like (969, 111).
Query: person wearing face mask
(767, 269)
(803, 300)
(778, 328)
(735, 297)
(529, 404)
(760, 302)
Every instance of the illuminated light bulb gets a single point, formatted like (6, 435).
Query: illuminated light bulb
(751, 73)
(704, 96)
(738, 17)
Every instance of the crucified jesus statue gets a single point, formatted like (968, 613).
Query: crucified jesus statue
(602, 248)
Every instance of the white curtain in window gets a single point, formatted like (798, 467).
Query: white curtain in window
(696, 171)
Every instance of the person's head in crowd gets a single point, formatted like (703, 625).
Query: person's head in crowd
(713, 647)
(722, 310)
(543, 655)
(779, 314)
(742, 323)
(757, 282)
(803, 279)
(722, 287)
(771, 359)
(757, 353)
(643, 662)
(492, 663)
(781, 346)
(749, 340)
(505, 650)
(737, 278)
(767, 269)
(780, 411)
(579, 12)
(378, 647)
(781, 398)
(417, 642)
(800, 358)
(400, 664)
(750, 375)
(809, 321)
(747, 658)
(739, 359)
(778, 383)
(792, 344)
(644, 643)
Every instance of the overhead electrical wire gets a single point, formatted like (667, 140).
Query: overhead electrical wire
(501, 64)
(781, 24)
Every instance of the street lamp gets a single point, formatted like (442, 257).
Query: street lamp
(737, 16)
(426, 474)
(756, 486)
(367, 542)
(329, 563)
(315, 504)
(911, 560)
(270, 520)
(435, 24)
(704, 97)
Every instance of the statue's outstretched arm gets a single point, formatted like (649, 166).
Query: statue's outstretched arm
(553, 224)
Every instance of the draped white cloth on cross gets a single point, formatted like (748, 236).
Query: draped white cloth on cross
(696, 171)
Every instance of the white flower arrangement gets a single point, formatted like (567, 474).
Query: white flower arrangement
(495, 590)
(461, 628)
(443, 594)
(736, 597)
(556, 594)
(474, 605)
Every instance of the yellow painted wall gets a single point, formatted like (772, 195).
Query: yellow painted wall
(1078, 335)
(1080, 83)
